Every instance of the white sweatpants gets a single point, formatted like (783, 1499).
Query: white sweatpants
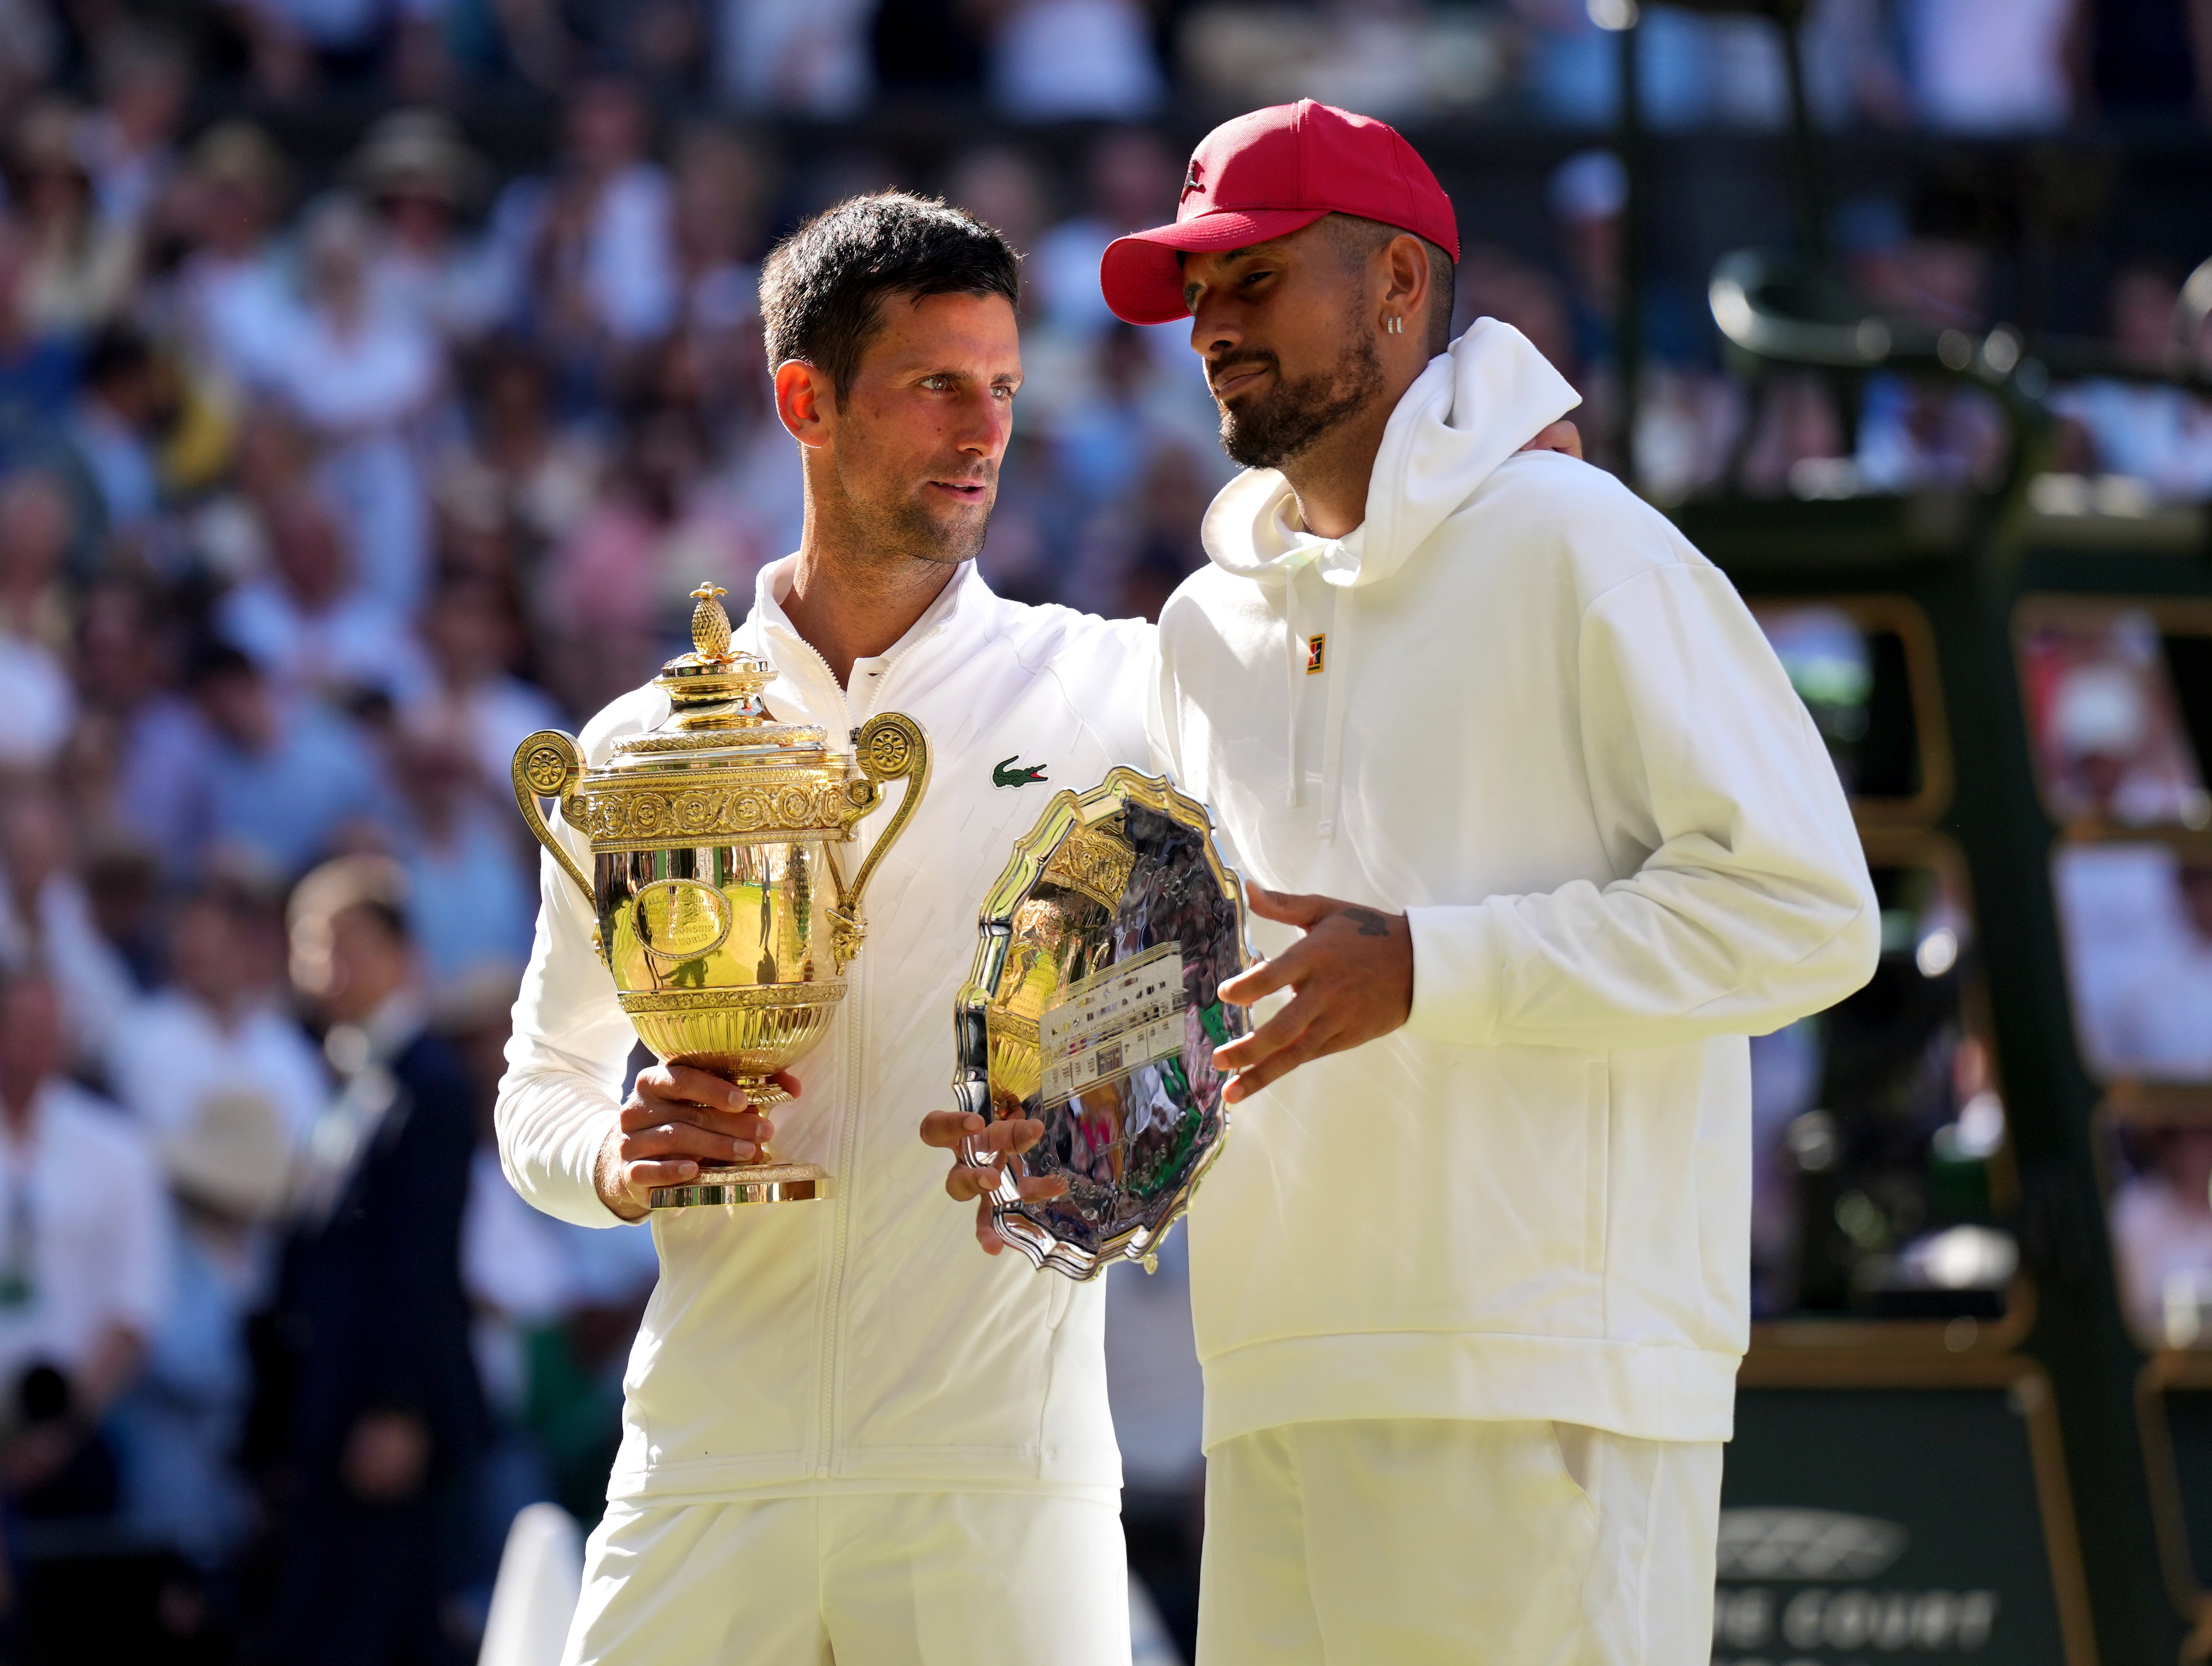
(1409, 1542)
(857, 1579)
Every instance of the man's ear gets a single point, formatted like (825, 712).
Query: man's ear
(1405, 282)
(806, 402)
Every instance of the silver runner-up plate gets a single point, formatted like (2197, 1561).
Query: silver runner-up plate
(1095, 1005)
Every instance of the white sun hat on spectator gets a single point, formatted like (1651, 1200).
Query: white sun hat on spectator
(232, 1157)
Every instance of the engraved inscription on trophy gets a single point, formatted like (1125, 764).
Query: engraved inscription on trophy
(680, 919)
(1103, 1027)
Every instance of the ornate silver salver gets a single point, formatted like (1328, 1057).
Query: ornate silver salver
(1095, 1005)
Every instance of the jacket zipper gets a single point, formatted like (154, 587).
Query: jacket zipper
(849, 1143)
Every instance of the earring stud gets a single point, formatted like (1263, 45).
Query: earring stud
(1394, 325)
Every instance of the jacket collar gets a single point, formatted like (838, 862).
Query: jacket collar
(959, 609)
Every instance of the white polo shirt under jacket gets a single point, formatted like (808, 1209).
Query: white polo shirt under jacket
(863, 1343)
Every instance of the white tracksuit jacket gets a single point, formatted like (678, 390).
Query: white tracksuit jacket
(863, 1343)
(1544, 726)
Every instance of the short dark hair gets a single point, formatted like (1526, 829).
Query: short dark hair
(823, 288)
(386, 917)
(1356, 239)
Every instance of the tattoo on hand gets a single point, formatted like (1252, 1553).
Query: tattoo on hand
(1370, 923)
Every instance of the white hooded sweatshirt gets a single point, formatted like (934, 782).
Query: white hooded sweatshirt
(1517, 705)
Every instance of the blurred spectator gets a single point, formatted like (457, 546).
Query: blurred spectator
(1028, 548)
(82, 264)
(37, 704)
(1989, 66)
(587, 252)
(270, 465)
(1130, 180)
(280, 779)
(48, 922)
(1690, 69)
(474, 638)
(2110, 747)
(83, 1269)
(129, 142)
(516, 467)
(801, 58)
(1796, 434)
(368, 1408)
(423, 178)
(123, 402)
(1393, 60)
(1687, 415)
(474, 902)
(1001, 186)
(37, 370)
(1064, 60)
(231, 294)
(2162, 1221)
(359, 373)
(1107, 439)
(1496, 283)
(620, 583)
(311, 625)
(722, 187)
(1174, 495)
(2159, 434)
(29, 47)
(217, 1032)
(179, 1427)
(298, 45)
(2161, 1226)
(2138, 922)
(1918, 433)
(1140, 472)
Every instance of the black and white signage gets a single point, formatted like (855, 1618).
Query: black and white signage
(1864, 1522)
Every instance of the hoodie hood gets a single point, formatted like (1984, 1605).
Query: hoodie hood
(1478, 402)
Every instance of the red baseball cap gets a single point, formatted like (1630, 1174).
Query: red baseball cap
(1267, 174)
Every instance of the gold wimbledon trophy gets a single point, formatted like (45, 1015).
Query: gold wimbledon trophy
(722, 910)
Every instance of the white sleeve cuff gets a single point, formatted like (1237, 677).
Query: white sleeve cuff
(1455, 975)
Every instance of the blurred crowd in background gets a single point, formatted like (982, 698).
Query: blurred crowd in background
(377, 377)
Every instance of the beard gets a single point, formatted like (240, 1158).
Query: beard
(1269, 432)
(905, 525)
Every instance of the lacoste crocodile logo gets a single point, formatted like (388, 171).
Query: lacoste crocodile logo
(1002, 775)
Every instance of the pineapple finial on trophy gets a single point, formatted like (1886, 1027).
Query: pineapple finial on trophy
(710, 625)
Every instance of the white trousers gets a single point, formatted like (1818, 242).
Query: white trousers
(856, 1579)
(1408, 1542)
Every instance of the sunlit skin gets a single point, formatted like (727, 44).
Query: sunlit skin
(900, 478)
(1289, 313)
(902, 475)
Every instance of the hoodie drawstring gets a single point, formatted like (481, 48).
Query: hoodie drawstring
(1294, 667)
(1339, 673)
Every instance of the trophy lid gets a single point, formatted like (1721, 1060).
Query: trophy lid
(714, 703)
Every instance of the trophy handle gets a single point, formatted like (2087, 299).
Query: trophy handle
(548, 765)
(891, 747)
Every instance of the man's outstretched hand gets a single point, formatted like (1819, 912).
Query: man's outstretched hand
(1352, 975)
(676, 1122)
(946, 1130)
